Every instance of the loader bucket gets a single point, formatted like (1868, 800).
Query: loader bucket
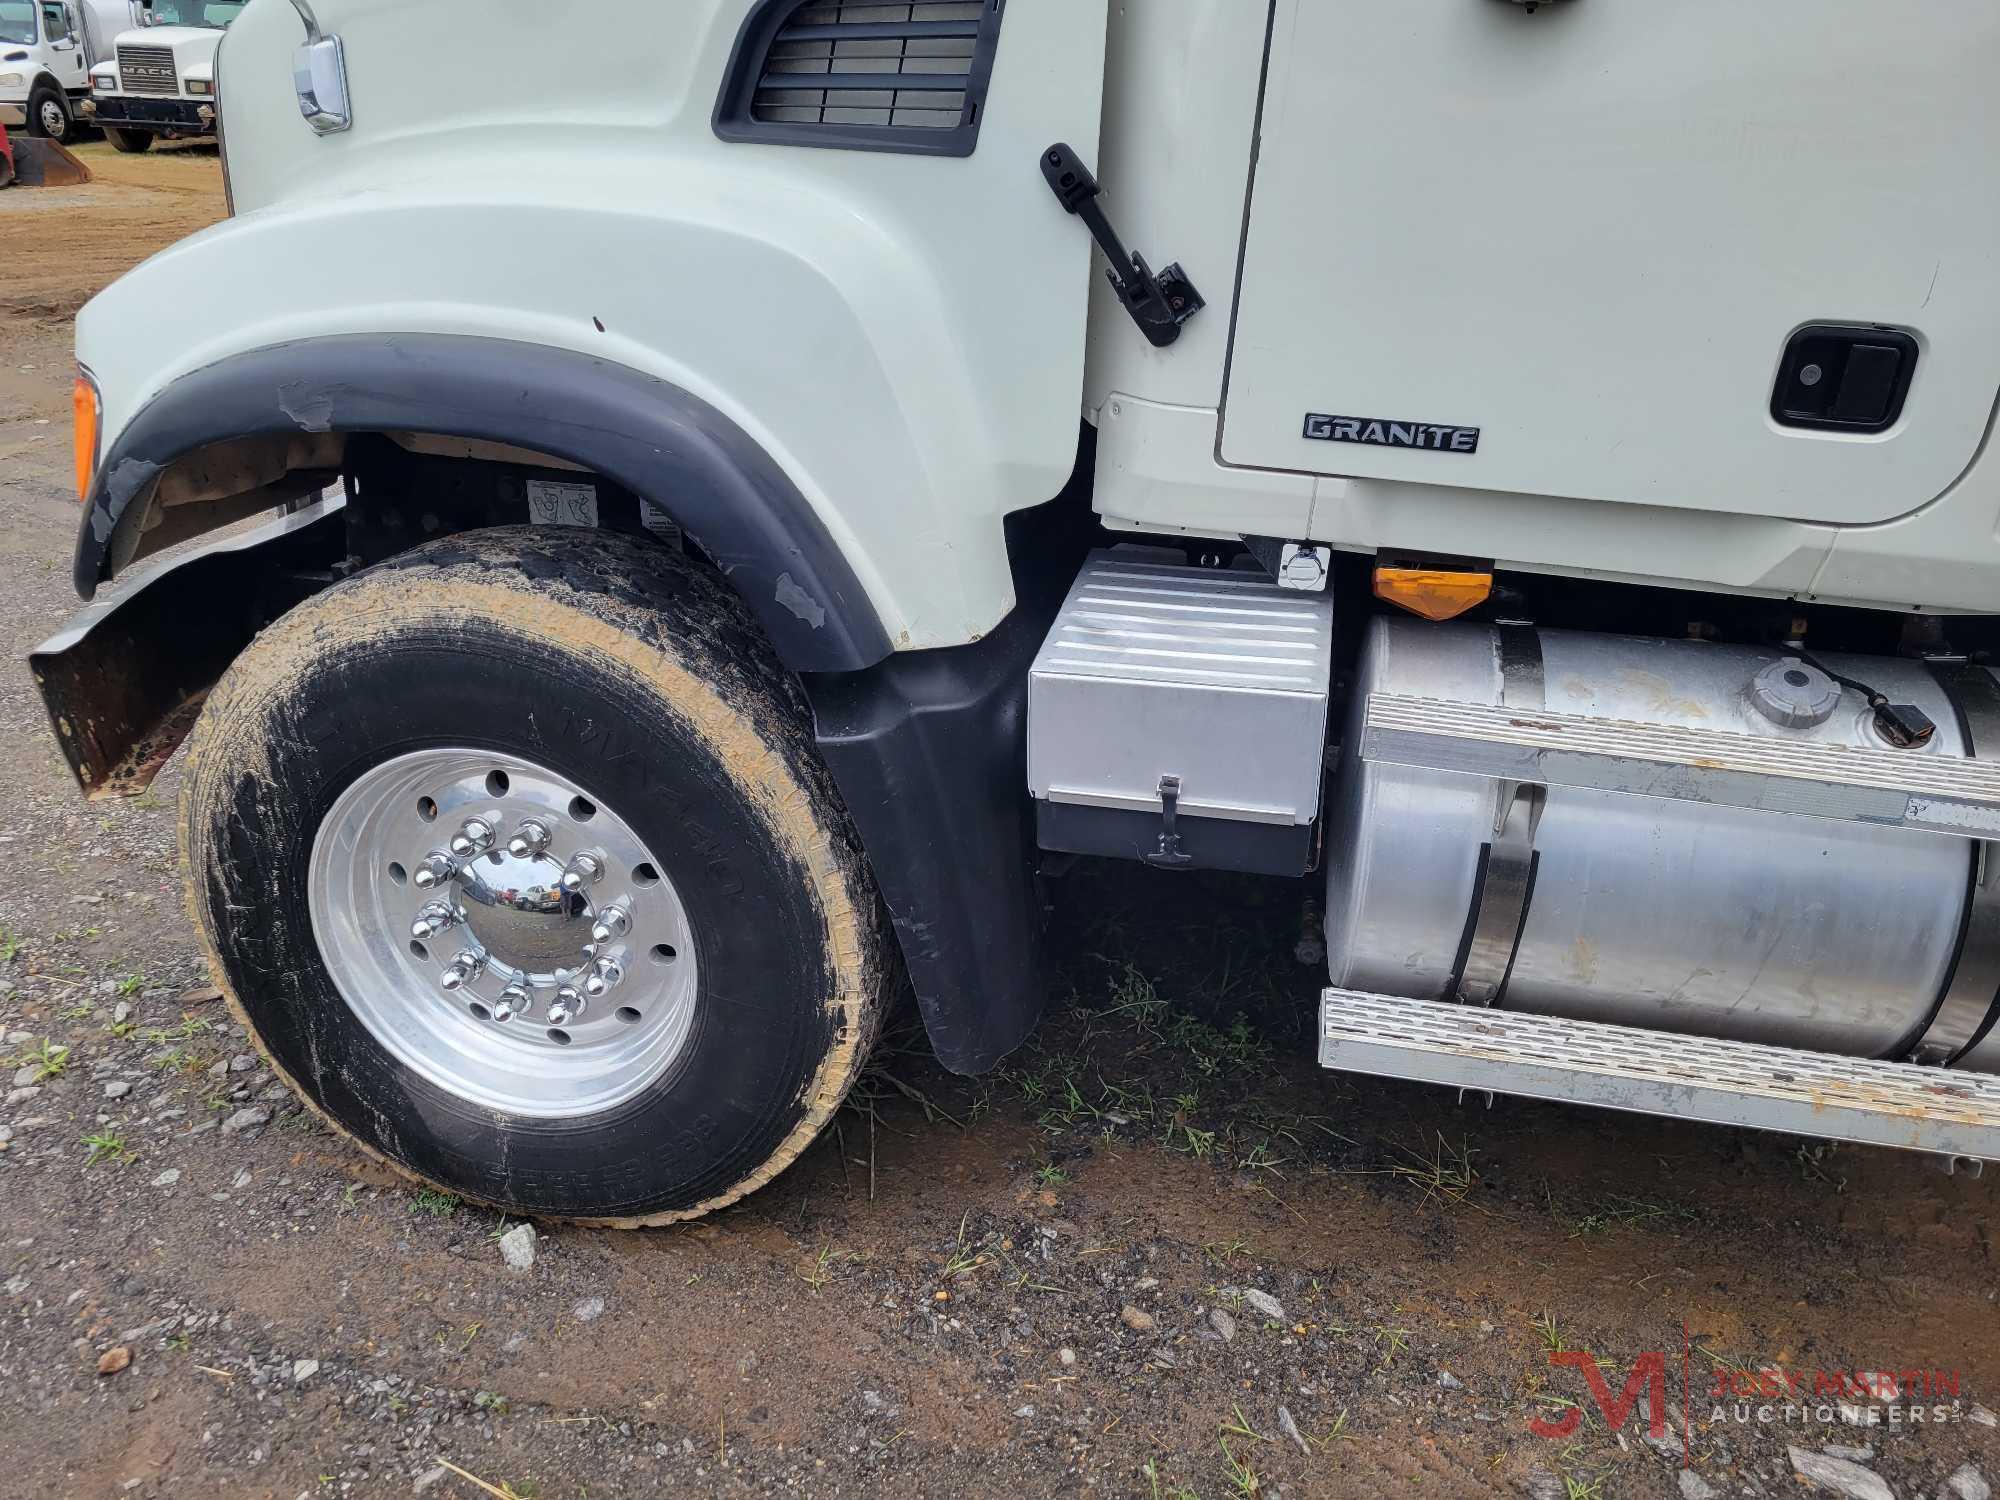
(43, 163)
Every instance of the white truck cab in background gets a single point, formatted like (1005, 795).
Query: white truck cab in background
(47, 51)
(160, 80)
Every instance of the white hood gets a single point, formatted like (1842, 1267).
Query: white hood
(189, 44)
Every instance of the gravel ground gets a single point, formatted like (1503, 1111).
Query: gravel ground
(1158, 1254)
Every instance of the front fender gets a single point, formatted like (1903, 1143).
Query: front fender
(902, 335)
(647, 434)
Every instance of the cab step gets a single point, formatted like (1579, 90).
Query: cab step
(1949, 1114)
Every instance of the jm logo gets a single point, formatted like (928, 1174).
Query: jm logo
(1649, 1374)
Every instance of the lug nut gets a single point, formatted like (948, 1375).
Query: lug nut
(466, 966)
(433, 919)
(529, 840)
(475, 836)
(611, 923)
(514, 1001)
(567, 1006)
(436, 869)
(585, 869)
(604, 977)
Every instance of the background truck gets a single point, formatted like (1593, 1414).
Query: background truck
(1539, 510)
(47, 51)
(160, 80)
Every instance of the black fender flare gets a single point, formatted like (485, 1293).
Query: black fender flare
(647, 434)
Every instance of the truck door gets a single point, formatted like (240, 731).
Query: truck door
(1586, 248)
(65, 45)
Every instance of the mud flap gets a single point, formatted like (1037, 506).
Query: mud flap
(125, 679)
(44, 163)
(930, 749)
(929, 752)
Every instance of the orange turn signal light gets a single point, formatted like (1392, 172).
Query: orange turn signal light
(1434, 593)
(85, 413)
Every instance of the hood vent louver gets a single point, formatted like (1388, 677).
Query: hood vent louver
(907, 77)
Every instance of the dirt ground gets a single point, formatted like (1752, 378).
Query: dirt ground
(1158, 1254)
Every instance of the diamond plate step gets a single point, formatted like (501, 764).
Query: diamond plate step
(1660, 1073)
(1896, 788)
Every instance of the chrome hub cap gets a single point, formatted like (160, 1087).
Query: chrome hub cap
(502, 933)
(54, 121)
(522, 917)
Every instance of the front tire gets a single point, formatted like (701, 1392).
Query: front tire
(130, 142)
(48, 111)
(607, 712)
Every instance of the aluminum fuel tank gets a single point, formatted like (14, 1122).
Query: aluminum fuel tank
(1683, 916)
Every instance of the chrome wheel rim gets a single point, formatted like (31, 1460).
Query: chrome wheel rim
(55, 124)
(502, 932)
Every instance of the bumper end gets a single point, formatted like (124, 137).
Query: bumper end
(125, 679)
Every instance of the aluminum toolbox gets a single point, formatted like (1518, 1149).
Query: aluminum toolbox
(1204, 687)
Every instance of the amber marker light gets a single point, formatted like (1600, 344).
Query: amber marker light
(84, 412)
(1434, 593)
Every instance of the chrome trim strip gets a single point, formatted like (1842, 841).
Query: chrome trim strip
(1894, 788)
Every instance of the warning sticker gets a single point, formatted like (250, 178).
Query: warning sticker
(552, 503)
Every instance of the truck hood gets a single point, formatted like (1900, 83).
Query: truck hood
(189, 44)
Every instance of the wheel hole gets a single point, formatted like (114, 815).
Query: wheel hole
(627, 1014)
(497, 783)
(427, 809)
(664, 953)
(559, 1036)
(582, 809)
(397, 873)
(646, 875)
(480, 1011)
(420, 953)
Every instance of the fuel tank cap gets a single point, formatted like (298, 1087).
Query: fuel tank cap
(1794, 694)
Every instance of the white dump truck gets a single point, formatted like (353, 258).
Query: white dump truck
(47, 51)
(1520, 472)
(159, 82)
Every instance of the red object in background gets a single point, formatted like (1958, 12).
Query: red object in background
(34, 162)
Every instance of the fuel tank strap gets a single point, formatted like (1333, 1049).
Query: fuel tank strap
(1507, 869)
(1972, 992)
